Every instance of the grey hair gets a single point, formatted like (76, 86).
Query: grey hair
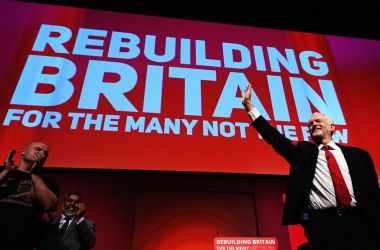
(326, 116)
(329, 119)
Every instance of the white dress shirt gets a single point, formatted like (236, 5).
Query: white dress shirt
(63, 220)
(322, 194)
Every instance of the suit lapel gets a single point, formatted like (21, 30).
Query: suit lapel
(352, 164)
(349, 159)
(313, 163)
(70, 228)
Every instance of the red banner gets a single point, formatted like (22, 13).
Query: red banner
(119, 91)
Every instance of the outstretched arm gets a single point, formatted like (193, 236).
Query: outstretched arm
(279, 142)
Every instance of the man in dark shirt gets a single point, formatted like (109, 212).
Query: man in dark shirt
(24, 196)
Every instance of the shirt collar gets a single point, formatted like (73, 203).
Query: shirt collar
(331, 143)
(64, 217)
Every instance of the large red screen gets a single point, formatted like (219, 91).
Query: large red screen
(120, 91)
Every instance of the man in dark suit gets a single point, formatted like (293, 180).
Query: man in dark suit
(70, 231)
(313, 198)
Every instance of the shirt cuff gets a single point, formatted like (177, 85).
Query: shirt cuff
(80, 220)
(254, 114)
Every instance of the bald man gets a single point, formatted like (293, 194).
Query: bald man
(24, 197)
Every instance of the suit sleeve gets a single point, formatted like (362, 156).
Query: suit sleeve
(373, 192)
(279, 142)
(86, 231)
(373, 185)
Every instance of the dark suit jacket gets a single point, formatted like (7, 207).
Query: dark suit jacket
(76, 237)
(302, 158)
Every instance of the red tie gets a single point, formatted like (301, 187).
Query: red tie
(341, 191)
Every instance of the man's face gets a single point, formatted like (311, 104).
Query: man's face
(70, 205)
(320, 127)
(35, 152)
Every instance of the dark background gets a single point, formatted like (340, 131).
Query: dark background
(355, 19)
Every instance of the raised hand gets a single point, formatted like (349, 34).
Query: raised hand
(246, 98)
(81, 209)
(39, 160)
(9, 163)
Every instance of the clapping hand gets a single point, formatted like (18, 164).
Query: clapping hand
(39, 160)
(81, 209)
(9, 163)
